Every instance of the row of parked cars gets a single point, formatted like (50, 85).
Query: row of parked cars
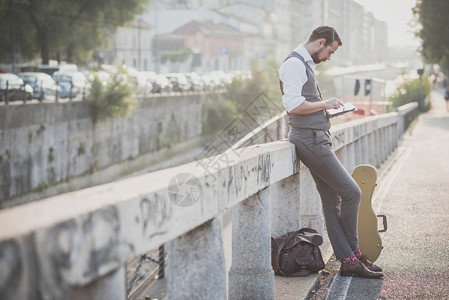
(39, 85)
(151, 82)
(72, 83)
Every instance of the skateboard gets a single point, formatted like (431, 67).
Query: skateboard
(370, 242)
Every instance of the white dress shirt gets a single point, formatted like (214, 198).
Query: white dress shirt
(293, 75)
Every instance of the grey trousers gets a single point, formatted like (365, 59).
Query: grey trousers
(340, 194)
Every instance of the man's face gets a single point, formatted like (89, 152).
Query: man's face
(324, 52)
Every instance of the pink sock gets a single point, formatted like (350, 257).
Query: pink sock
(350, 260)
(358, 253)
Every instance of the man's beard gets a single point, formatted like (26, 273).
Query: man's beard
(316, 55)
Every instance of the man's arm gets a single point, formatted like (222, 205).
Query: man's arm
(310, 107)
(293, 75)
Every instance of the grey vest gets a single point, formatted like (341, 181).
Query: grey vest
(311, 92)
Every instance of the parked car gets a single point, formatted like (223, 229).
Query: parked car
(14, 87)
(72, 84)
(143, 83)
(196, 82)
(179, 82)
(211, 82)
(44, 86)
(159, 82)
(163, 85)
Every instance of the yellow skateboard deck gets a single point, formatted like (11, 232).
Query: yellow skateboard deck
(369, 239)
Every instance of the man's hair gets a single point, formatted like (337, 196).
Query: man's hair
(326, 32)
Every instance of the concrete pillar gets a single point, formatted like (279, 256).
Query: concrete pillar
(196, 266)
(284, 197)
(372, 149)
(310, 207)
(396, 135)
(350, 157)
(251, 275)
(111, 287)
(385, 143)
(365, 150)
(377, 148)
(358, 155)
(393, 138)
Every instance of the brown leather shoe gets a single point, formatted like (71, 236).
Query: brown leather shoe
(370, 265)
(358, 269)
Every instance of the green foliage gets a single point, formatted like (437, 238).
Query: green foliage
(410, 91)
(218, 113)
(241, 93)
(115, 100)
(264, 80)
(434, 31)
(176, 55)
(61, 29)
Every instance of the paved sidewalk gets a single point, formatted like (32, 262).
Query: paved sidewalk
(429, 134)
(413, 194)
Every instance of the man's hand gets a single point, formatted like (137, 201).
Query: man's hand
(333, 103)
(310, 107)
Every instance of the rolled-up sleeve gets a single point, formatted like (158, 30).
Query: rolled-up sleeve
(293, 76)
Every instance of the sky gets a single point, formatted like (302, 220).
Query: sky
(397, 14)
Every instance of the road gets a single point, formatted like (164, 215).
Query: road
(414, 195)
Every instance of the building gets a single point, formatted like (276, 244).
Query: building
(244, 31)
(219, 46)
(132, 45)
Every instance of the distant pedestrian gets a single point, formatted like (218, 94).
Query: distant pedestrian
(446, 97)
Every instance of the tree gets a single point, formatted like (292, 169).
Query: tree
(411, 90)
(55, 28)
(115, 100)
(432, 15)
(16, 31)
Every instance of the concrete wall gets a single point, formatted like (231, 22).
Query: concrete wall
(75, 245)
(41, 144)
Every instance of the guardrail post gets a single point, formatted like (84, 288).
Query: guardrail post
(372, 149)
(251, 275)
(378, 148)
(111, 286)
(195, 264)
(350, 157)
(358, 152)
(310, 207)
(284, 196)
(7, 93)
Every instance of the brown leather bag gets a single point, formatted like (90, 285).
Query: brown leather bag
(297, 253)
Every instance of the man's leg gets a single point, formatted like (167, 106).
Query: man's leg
(341, 218)
(340, 196)
(339, 192)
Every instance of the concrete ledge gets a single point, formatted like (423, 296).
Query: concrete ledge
(69, 241)
(80, 236)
